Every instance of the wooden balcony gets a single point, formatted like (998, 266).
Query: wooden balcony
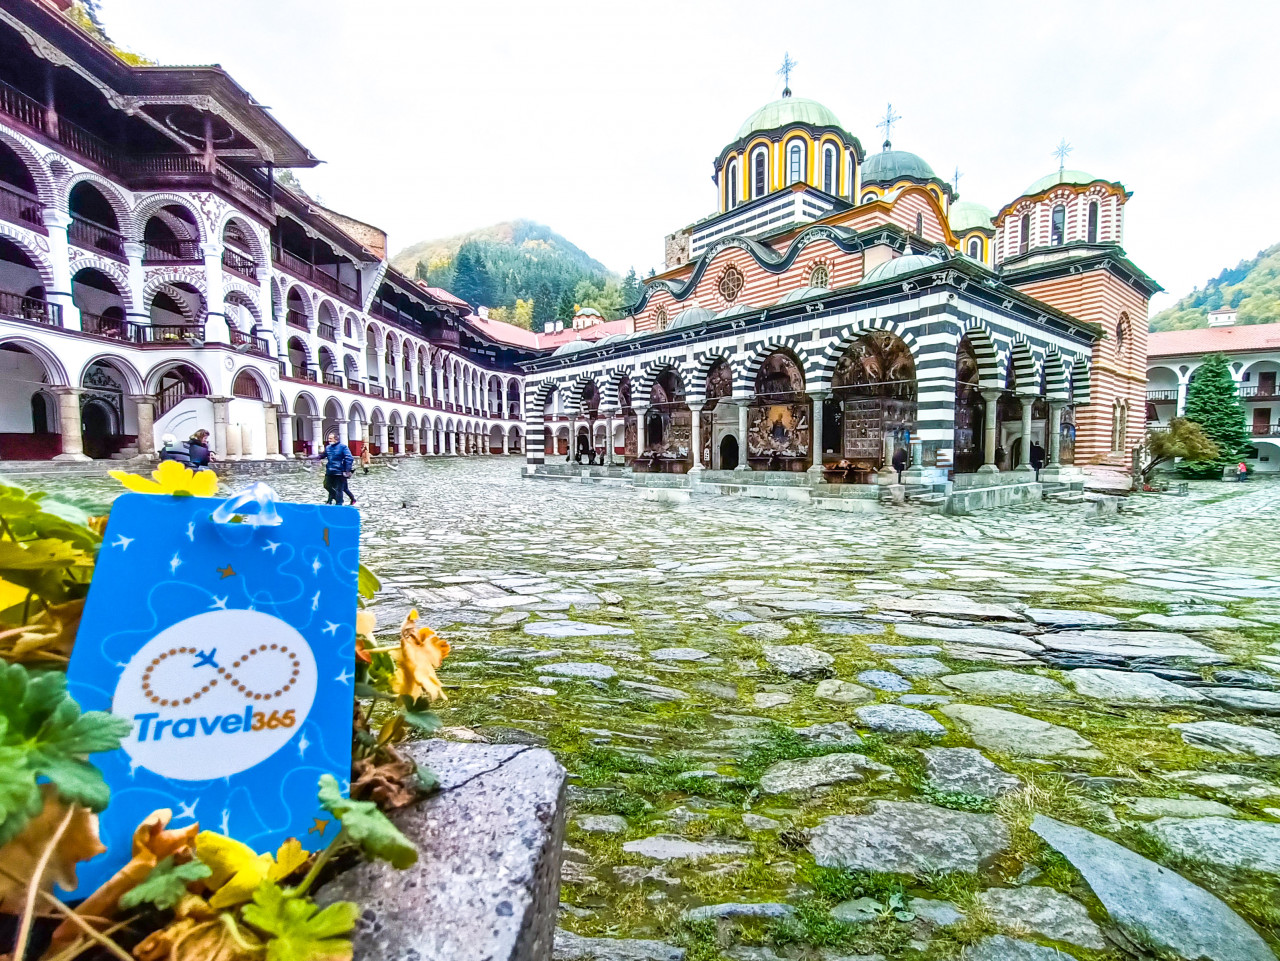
(1157, 396)
(142, 334)
(173, 251)
(97, 238)
(19, 307)
(296, 319)
(254, 345)
(240, 264)
(19, 207)
(1265, 430)
(314, 275)
(1258, 392)
(327, 332)
(332, 379)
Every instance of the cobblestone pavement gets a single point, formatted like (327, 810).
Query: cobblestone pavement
(800, 733)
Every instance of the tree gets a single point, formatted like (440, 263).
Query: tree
(544, 306)
(1184, 439)
(631, 289)
(566, 307)
(471, 280)
(1214, 404)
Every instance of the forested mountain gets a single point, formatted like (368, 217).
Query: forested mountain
(1252, 287)
(525, 272)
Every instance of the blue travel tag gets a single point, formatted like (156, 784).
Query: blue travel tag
(229, 647)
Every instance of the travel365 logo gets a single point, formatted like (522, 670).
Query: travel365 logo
(215, 694)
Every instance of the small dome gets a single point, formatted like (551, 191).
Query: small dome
(964, 215)
(691, 317)
(734, 311)
(1078, 177)
(611, 339)
(587, 312)
(571, 348)
(801, 293)
(788, 111)
(890, 165)
(899, 266)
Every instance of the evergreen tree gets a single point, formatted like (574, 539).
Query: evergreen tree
(565, 308)
(631, 289)
(471, 280)
(1214, 404)
(544, 306)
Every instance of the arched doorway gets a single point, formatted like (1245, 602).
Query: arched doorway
(969, 436)
(718, 417)
(97, 429)
(668, 425)
(874, 413)
(779, 428)
(103, 429)
(728, 452)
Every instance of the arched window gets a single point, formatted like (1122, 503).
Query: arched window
(660, 318)
(761, 163)
(731, 199)
(795, 163)
(820, 275)
(1024, 242)
(919, 225)
(869, 196)
(1058, 226)
(975, 248)
(829, 169)
(39, 414)
(1093, 222)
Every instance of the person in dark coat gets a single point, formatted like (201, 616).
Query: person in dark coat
(338, 464)
(900, 461)
(1037, 458)
(171, 449)
(198, 450)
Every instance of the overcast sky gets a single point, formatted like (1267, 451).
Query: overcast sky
(602, 119)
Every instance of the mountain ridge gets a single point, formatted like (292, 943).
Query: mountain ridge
(1252, 287)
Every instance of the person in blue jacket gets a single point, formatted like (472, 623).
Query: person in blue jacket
(338, 464)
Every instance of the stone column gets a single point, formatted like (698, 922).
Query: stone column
(609, 453)
(815, 431)
(145, 406)
(506, 443)
(1181, 406)
(343, 434)
(220, 424)
(138, 314)
(57, 222)
(742, 435)
(990, 397)
(317, 435)
(639, 410)
(695, 435)
(215, 326)
(573, 438)
(1027, 400)
(1055, 433)
(271, 428)
(69, 424)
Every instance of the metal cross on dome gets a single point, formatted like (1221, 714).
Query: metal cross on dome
(1061, 152)
(890, 118)
(785, 72)
(955, 179)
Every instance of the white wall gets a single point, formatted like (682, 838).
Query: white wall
(21, 375)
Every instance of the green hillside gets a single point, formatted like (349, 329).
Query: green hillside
(1252, 287)
(525, 272)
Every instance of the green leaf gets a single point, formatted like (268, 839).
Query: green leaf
(298, 929)
(40, 555)
(367, 584)
(367, 826)
(426, 778)
(44, 735)
(166, 884)
(417, 714)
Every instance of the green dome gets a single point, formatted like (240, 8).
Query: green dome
(788, 111)
(899, 266)
(1059, 177)
(801, 293)
(890, 165)
(964, 215)
(690, 317)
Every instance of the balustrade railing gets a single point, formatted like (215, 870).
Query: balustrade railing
(1257, 392)
(395, 394)
(22, 307)
(172, 251)
(314, 273)
(171, 396)
(20, 107)
(1265, 430)
(117, 329)
(296, 318)
(97, 237)
(239, 263)
(375, 390)
(255, 344)
(19, 207)
(90, 146)
(332, 379)
(303, 372)
(1158, 395)
(327, 332)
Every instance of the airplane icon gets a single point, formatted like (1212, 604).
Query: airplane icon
(206, 660)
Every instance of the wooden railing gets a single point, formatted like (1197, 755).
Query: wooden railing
(303, 372)
(327, 332)
(20, 107)
(21, 307)
(19, 207)
(296, 318)
(97, 237)
(174, 251)
(314, 273)
(90, 146)
(116, 329)
(332, 379)
(1155, 395)
(394, 394)
(256, 345)
(1265, 430)
(240, 264)
(1258, 392)
(375, 390)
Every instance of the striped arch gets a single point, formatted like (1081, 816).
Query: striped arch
(178, 295)
(825, 368)
(124, 216)
(150, 206)
(990, 371)
(575, 404)
(1025, 368)
(25, 242)
(745, 375)
(1080, 381)
(164, 278)
(1056, 375)
(609, 393)
(112, 268)
(53, 367)
(700, 369)
(642, 386)
(251, 230)
(46, 189)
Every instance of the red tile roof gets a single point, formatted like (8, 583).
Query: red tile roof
(1211, 340)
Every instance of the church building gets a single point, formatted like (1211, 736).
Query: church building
(842, 306)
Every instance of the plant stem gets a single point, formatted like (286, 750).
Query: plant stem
(33, 886)
(233, 931)
(75, 919)
(4, 524)
(338, 841)
(80, 946)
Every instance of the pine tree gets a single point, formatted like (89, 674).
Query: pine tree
(630, 289)
(544, 306)
(471, 280)
(565, 308)
(1214, 404)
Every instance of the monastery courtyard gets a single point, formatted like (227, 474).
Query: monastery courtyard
(763, 706)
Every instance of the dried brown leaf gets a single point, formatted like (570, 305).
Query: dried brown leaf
(79, 842)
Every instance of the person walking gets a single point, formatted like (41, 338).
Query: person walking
(365, 457)
(1242, 472)
(1037, 458)
(337, 468)
(900, 462)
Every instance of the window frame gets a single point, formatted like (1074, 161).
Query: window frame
(796, 150)
(1058, 225)
(1024, 226)
(759, 171)
(1094, 219)
(972, 242)
(830, 170)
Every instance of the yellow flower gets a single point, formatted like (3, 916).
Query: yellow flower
(236, 871)
(421, 652)
(171, 478)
